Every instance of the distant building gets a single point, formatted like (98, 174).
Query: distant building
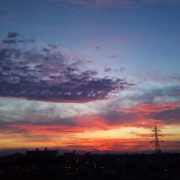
(69, 154)
(42, 153)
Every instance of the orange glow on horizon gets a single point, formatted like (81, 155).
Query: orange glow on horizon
(96, 131)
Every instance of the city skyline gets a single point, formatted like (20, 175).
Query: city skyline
(89, 75)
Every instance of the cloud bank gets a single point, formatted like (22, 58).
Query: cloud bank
(50, 74)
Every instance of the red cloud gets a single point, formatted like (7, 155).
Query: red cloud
(149, 114)
(112, 144)
(139, 116)
(66, 137)
(148, 108)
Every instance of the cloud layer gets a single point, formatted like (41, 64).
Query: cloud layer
(49, 73)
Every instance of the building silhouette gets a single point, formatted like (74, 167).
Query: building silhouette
(42, 153)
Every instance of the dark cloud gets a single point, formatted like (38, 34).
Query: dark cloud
(107, 69)
(11, 41)
(14, 41)
(114, 56)
(50, 75)
(119, 70)
(76, 89)
(12, 35)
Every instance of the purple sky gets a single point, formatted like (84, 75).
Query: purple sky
(86, 75)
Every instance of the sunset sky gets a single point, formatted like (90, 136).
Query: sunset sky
(89, 74)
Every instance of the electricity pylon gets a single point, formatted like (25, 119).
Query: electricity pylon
(156, 140)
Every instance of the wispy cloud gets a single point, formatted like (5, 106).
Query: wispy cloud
(12, 35)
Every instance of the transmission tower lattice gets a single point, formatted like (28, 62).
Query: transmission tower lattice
(156, 140)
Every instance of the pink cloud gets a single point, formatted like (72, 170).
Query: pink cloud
(148, 108)
(146, 115)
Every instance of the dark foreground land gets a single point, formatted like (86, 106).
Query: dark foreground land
(91, 166)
